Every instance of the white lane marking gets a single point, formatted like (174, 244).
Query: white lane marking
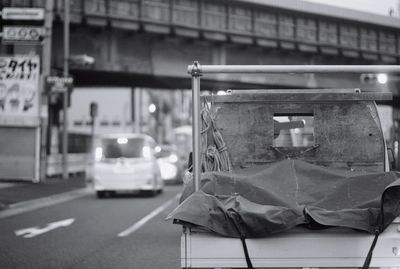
(35, 231)
(27, 206)
(7, 185)
(143, 221)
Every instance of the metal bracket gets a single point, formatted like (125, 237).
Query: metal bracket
(195, 69)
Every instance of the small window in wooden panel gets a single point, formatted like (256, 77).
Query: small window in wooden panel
(293, 130)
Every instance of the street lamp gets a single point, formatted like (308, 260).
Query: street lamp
(152, 108)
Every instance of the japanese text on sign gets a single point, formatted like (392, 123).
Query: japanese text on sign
(19, 86)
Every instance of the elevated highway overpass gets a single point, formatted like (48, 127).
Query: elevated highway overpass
(151, 42)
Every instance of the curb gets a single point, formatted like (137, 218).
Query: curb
(30, 205)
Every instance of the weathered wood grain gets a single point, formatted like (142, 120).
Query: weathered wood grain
(346, 134)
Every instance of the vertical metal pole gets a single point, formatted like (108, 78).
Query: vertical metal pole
(46, 62)
(92, 135)
(140, 110)
(196, 131)
(65, 94)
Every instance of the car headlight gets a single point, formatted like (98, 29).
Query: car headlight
(173, 158)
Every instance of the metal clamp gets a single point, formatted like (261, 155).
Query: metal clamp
(195, 69)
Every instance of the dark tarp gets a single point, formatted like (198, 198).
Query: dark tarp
(272, 198)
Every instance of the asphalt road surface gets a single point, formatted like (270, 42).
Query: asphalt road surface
(117, 232)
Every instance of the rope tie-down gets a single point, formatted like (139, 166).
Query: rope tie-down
(214, 152)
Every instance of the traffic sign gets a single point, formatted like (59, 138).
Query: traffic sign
(18, 34)
(59, 84)
(30, 14)
(58, 89)
(63, 80)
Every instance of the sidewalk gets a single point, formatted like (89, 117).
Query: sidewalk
(16, 192)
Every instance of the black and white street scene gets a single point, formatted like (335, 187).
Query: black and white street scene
(167, 134)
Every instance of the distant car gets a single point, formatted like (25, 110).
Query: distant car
(170, 164)
(182, 136)
(126, 163)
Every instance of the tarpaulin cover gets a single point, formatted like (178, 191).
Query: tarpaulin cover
(273, 198)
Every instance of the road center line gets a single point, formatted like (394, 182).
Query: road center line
(144, 220)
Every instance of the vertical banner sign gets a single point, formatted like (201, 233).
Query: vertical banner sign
(19, 90)
(19, 117)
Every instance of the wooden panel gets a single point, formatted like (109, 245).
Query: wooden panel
(246, 129)
(346, 133)
(185, 13)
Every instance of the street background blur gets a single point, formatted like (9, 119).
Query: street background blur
(75, 70)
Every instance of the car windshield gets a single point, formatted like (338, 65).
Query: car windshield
(123, 147)
(164, 152)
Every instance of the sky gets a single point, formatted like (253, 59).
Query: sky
(374, 6)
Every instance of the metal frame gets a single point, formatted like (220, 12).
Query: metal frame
(196, 71)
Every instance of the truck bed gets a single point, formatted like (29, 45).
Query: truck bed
(299, 247)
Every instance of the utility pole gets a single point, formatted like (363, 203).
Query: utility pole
(65, 94)
(46, 65)
(93, 112)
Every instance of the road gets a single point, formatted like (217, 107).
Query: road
(117, 232)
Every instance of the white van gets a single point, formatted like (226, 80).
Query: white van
(126, 163)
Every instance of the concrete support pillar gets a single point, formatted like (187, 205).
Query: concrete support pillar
(136, 109)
